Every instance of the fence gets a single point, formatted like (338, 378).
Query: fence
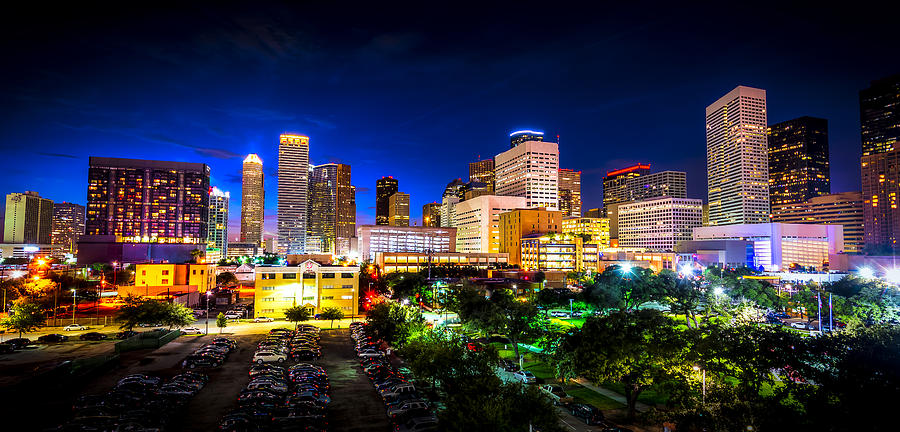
(92, 322)
(151, 339)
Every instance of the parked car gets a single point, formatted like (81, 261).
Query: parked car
(233, 315)
(407, 406)
(268, 357)
(19, 343)
(418, 424)
(200, 361)
(609, 427)
(191, 330)
(559, 314)
(6, 349)
(53, 338)
(589, 414)
(126, 334)
(556, 394)
(263, 319)
(93, 336)
(74, 327)
(799, 325)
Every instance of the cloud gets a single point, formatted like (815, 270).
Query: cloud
(134, 132)
(258, 114)
(363, 189)
(325, 124)
(59, 155)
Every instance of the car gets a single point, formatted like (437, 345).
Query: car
(525, 376)
(53, 338)
(559, 314)
(19, 343)
(263, 319)
(148, 379)
(261, 357)
(126, 334)
(233, 315)
(92, 336)
(396, 390)
(418, 424)
(191, 330)
(74, 327)
(609, 427)
(409, 405)
(781, 315)
(200, 361)
(6, 349)
(509, 365)
(370, 353)
(799, 325)
(270, 385)
(556, 394)
(589, 414)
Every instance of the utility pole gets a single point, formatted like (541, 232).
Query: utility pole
(74, 305)
(819, 309)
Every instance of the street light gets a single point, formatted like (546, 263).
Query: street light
(893, 275)
(208, 293)
(703, 371)
(866, 273)
(626, 268)
(74, 305)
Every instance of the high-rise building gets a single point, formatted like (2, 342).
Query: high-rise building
(431, 215)
(398, 209)
(570, 192)
(594, 213)
(321, 210)
(217, 238)
(384, 188)
(737, 158)
(516, 224)
(293, 192)
(658, 224)
(880, 130)
(253, 199)
(68, 224)
(531, 170)
(615, 184)
(453, 194)
(595, 227)
(345, 211)
(519, 137)
(29, 219)
(475, 189)
(478, 222)
(798, 161)
(659, 184)
(845, 209)
(145, 201)
(482, 172)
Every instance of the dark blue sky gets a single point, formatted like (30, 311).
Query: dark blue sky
(416, 92)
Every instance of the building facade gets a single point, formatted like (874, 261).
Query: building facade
(29, 219)
(798, 161)
(844, 209)
(384, 188)
(153, 279)
(68, 225)
(779, 246)
(311, 285)
(453, 194)
(516, 224)
(530, 170)
(880, 131)
(615, 184)
(737, 160)
(144, 201)
(431, 215)
(522, 136)
(293, 192)
(570, 192)
(659, 184)
(217, 239)
(658, 224)
(478, 222)
(379, 238)
(237, 250)
(253, 199)
(345, 211)
(558, 252)
(398, 209)
(596, 228)
(413, 262)
(482, 172)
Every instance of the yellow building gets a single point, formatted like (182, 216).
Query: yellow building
(311, 284)
(158, 278)
(559, 252)
(597, 228)
(516, 224)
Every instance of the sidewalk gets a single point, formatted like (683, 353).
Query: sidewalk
(639, 406)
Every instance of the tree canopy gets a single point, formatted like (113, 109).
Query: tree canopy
(297, 314)
(24, 317)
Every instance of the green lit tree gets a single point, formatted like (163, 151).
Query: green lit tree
(23, 318)
(332, 313)
(221, 322)
(297, 314)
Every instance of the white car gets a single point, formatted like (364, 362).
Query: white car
(525, 376)
(263, 319)
(74, 327)
(233, 315)
(191, 330)
(799, 325)
(370, 353)
(268, 357)
(559, 314)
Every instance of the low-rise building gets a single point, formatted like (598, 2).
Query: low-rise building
(23, 250)
(189, 277)
(311, 285)
(237, 250)
(845, 209)
(558, 252)
(478, 222)
(595, 227)
(655, 261)
(516, 224)
(384, 238)
(657, 224)
(390, 262)
(718, 253)
(780, 246)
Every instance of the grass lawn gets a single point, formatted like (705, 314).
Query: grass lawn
(649, 396)
(585, 395)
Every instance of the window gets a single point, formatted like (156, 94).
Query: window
(267, 310)
(268, 288)
(328, 287)
(287, 299)
(143, 272)
(327, 275)
(347, 286)
(346, 275)
(268, 276)
(201, 271)
(194, 272)
(347, 297)
(268, 299)
(309, 275)
(165, 281)
(309, 299)
(165, 272)
(289, 275)
(327, 298)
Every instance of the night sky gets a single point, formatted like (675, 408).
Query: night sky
(416, 92)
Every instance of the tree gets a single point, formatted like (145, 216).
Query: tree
(623, 290)
(197, 255)
(177, 315)
(332, 313)
(501, 313)
(23, 318)
(138, 311)
(297, 314)
(394, 322)
(226, 278)
(221, 322)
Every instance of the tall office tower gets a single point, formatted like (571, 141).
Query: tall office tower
(518, 137)
(476, 189)
(879, 114)
(217, 238)
(322, 208)
(531, 170)
(398, 209)
(482, 172)
(658, 224)
(345, 211)
(660, 184)
(146, 201)
(737, 160)
(68, 224)
(615, 184)
(253, 200)
(516, 224)
(478, 222)
(384, 188)
(845, 209)
(798, 161)
(29, 218)
(453, 194)
(431, 215)
(570, 192)
(293, 193)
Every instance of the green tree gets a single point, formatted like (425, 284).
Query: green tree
(226, 278)
(138, 310)
(24, 317)
(394, 322)
(297, 314)
(501, 313)
(221, 322)
(177, 315)
(332, 313)
(624, 289)
(197, 255)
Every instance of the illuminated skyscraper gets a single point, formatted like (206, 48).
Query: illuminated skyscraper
(845, 209)
(217, 239)
(798, 161)
(68, 224)
(345, 211)
(659, 184)
(879, 116)
(384, 188)
(615, 184)
(880, 129)
(29, 218)
(253, 199)
(332, 209)
(737, 158)
(518, 137)
(529, 169)
(398, 209)
(482, 172)
(570, 192)
(293, 193)
(431, 215)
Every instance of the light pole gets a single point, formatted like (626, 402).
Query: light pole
(74, 305)
(207, 310)
(703, 372)
(571, 310)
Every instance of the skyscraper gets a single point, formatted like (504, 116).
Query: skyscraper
(29, 218)
(217, 239)
(253, 199)
(293, 188)
(68, 224)
(518, 137)
(482, 172)
(658, 224)
(345, 211)
(880, 129)
(798, 161)
(431, 215)
(615, 184)
(453, 194)
(531, 170)
(145, 201)
(398, 209)
(845, 209)
(384, 188)
(332, 209)
(659, 184)
(570, 192)
(737, 158)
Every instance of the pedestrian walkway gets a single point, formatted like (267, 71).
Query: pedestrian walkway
(639, 406)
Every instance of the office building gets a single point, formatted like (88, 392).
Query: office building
(531, 170)
(384, 188)
(398, 209)
(478, 222)
(242, 249)
(93, 249)
(595, 229)
(655, 261)
(217, 239)
(414, 262)
(798, 161)
(516, 224)
(476, 189)
(780, 246)
(519, 137)
(659, 184)
(737, 158)
(172, 279)
(379, 238)
(293, 192)
(880, 130)
(615, 184)
(718, 253)
(345, 211)
(311, 285)
(482, 172)
(27, 250)
(558, 252)
(253, 199)
(453, 194)
(658, 224)
(594, 213)
(431, 215)
(145, 201)
(68, 225)
(845, 209)
(332, 209)
(570, 192)
(29, 219)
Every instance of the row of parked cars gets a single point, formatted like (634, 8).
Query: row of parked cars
(405, 408)
(284, 344)
(211, 355)
(138, 402)
(282, 399)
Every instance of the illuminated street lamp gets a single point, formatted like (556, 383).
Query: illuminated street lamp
(703, 371)
(866, 273)
(893, 275)
(686, 270)
(208, 294)
(626, 268)
(74, 305)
